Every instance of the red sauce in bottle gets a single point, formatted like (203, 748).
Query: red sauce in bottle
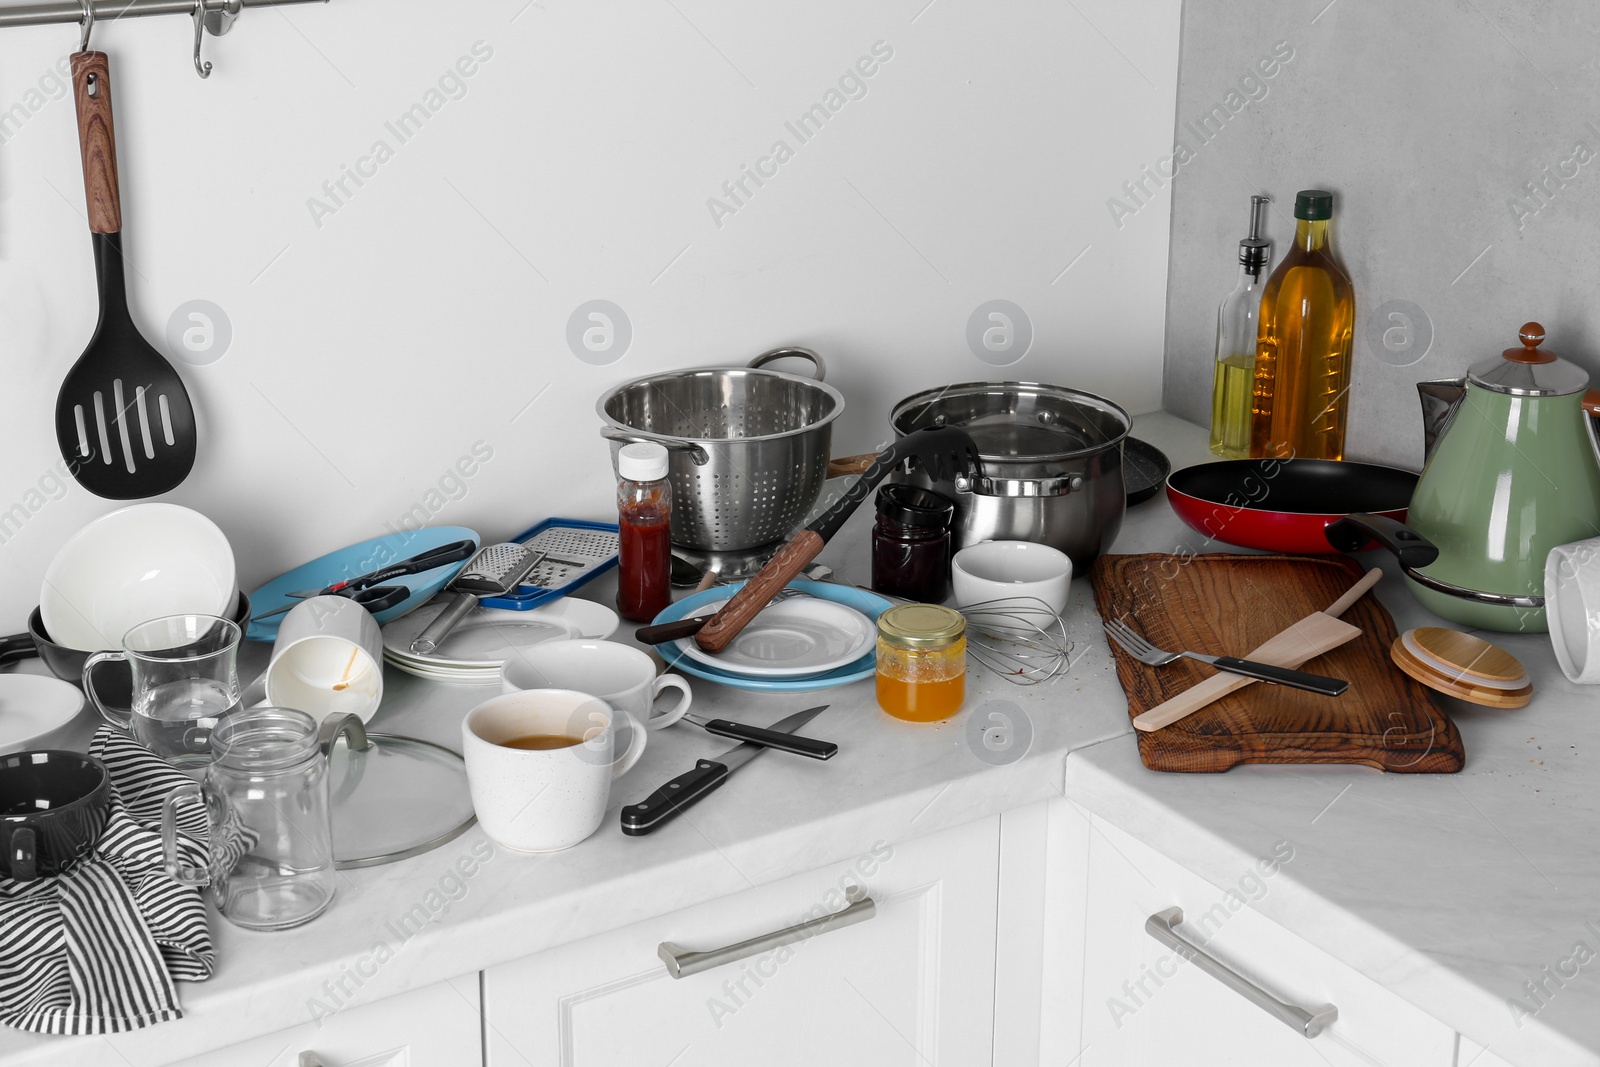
(644, 512)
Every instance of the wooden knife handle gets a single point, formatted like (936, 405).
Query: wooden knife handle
(91, 87)
(759, 591)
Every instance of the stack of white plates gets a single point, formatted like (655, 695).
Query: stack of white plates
(485, 639)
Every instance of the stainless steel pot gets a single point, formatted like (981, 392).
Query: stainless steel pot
(1051, 458)
(749, 447)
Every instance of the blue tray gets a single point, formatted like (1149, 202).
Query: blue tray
(355, 561)
(869, 604)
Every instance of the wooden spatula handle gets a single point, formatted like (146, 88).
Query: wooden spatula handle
(780, 570)
(91, 87)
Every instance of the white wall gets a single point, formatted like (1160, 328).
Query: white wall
(374, 346)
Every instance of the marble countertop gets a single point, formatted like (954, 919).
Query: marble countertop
(1450, 890)
(891, 781)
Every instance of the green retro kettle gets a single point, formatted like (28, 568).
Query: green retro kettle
(1512, 471)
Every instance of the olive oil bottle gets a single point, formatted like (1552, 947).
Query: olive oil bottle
(1233, 378)
(1300, 397)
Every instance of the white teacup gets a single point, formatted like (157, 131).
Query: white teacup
(620, 675)
(327, 660)
(1572, 608)
(544, 799)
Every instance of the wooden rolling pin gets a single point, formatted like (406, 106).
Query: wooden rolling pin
(1317, 633)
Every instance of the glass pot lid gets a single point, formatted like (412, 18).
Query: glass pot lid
(399, 797)
(1018, 420)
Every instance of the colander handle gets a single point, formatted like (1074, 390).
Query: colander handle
(700, 456)
(784, 353)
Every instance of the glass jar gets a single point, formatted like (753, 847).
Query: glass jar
(269, 858)
(911, 543)
(922, 662)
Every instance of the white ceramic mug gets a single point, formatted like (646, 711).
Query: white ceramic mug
(620, 675)
(1572, 608)
(544, 800)
(327, 660)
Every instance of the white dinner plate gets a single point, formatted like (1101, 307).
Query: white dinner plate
(32, 707)
(487, 637)
(791, 639)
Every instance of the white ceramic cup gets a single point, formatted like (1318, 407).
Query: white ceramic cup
(620, 675)
(1009, 571)
(1572, 608)
(544, 800)
(327, 660)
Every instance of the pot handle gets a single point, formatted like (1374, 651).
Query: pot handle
(696, 453)
(1350, 533)
(782, 353)
(17, 647)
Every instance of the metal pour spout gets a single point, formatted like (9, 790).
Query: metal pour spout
(1440, 399)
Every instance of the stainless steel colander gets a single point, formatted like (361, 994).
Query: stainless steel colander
(748, 447)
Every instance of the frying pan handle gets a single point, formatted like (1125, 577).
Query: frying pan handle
(17, 647)
(784, 353)
(758, 592)
(91, 88)
(1351, 533)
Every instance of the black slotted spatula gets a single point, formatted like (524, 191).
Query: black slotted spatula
(124, 421)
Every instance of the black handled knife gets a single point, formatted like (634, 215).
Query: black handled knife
(778, 739)
(668, 802)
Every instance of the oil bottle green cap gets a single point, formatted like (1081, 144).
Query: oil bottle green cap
(1313, 205)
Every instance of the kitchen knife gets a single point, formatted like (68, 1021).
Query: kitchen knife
(666, 803)
(783, 742)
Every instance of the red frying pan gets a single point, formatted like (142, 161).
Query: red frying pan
(1284, 505)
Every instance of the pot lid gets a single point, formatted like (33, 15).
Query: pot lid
(1018, 420)
(1529, 370)
(399, 797)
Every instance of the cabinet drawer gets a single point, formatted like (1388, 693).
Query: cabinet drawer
(436, 1026)
(1150, 1002)
(913, 984)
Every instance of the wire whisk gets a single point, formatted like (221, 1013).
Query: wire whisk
(1021, 639)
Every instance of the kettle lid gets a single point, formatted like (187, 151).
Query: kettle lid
(1529, 370)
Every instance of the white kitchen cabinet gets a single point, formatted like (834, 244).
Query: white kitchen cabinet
(1471, 1054)
(911, 985)
(1147, 1003)
(436, 1026)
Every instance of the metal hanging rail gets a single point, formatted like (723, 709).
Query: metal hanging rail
(214, 16)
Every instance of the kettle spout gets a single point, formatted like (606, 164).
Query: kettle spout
(1440, 398)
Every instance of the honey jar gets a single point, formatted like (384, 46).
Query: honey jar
(922, 662)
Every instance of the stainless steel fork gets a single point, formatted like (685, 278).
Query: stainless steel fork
(1145, 652)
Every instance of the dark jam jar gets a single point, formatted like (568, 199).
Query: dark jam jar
(911, 543)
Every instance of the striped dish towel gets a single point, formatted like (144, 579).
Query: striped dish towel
(96, 950)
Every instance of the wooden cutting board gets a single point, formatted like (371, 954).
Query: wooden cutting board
(1227, 604)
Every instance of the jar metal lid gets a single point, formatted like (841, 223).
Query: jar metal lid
(921, 626)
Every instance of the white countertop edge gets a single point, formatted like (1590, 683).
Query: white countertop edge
(1416, 977)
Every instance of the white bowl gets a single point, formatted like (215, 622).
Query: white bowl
(1572, 608)
(1011, 570)
(132, 565)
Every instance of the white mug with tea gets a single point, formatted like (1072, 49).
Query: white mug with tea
(540, 763)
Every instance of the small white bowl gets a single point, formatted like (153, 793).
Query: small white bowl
(1011, 570)
(132, 565)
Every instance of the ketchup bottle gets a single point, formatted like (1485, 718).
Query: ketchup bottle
(644, 506)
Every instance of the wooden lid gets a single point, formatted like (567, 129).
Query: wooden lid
(1463, 666)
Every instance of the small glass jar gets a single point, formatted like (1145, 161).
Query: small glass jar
(922, 662)
(911, 543)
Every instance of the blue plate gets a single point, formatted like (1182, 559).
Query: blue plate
(355, 561)
(869, 604)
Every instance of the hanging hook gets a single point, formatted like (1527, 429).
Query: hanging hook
(88, 24)
(202, 69)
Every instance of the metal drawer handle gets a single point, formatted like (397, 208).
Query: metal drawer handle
(309, 1059)
(1163, 927)
(681, 962)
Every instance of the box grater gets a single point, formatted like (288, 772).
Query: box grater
(576, 551)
